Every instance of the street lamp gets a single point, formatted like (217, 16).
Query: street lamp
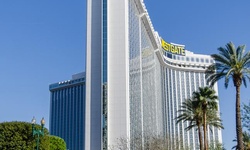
(37, 131)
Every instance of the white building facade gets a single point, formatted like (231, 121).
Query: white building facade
(134, 84)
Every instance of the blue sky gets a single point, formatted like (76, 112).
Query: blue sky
(43, 42)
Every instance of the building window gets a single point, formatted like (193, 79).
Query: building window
(202, 60)
(169, 55)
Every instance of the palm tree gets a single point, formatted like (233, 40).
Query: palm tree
(191, 111)
(216, 146)
(213, 120)
(205, 97)
(246, 141)
(231, 63)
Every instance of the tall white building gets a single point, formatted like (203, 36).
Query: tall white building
(135, 81)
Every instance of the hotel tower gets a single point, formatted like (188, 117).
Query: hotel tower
(135, 80)
(67, 108)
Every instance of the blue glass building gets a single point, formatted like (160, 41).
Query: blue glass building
(67, 108)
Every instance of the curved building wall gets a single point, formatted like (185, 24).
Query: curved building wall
(183, 76)
(144, 82)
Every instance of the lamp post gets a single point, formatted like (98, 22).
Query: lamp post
(37, 131)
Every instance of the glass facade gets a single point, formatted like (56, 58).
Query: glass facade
(157, 90)
(67, 108)
(104, 41)
(142, 86)
(145, 88)
(104, 75)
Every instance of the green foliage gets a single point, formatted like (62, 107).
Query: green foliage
(56, 143)
(246, 116)
(191, 112)
(246, 124)
(201, 110)
(214, 120)
(246, 141)
(207, 100)
(18, 136)
(231, 64)
(216, 146)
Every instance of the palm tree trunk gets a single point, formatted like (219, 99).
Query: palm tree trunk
(238, 121)
(205, 130)
(200, 137)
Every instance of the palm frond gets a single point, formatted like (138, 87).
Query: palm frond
(240, 51)
(246, 60)
(244, 81)
(229, 63)
(222, 59)
(231, 49)
(224, 52)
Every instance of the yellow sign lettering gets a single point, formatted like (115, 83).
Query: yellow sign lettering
(174, 49)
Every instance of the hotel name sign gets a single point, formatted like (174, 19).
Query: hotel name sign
(174, 49)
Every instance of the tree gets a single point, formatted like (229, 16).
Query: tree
(18, 135)
(216, 146)
(246, 124)
(191, 111)
(231, 63)
(201, 110)
(213, 119)
(207, 101)
(56, 143)
(246, 116)
(246, 141)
